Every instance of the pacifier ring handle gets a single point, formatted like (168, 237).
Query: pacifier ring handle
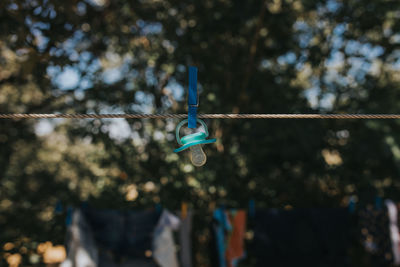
(185, 121)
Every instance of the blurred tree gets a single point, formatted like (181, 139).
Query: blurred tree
(280, 56)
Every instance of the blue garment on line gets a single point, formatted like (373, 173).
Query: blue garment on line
(221, 226)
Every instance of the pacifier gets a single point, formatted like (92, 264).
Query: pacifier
(194, 142)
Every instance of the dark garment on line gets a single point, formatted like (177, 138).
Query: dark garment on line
(122, 234)
(301, 237)
(212, 245)
(185, 239)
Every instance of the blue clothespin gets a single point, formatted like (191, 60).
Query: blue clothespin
(193, 98)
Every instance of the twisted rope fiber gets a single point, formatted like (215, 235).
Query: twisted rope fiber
(201, 116)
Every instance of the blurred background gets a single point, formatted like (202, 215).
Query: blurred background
(115, 56)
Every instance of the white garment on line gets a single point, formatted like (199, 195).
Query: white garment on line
(82, 249)
(164, 250)
(394, 230)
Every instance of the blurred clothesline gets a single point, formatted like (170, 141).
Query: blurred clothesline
(201, 116)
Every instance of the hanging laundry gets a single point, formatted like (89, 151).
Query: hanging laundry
(301, 237)
(185, 242)
(164, 249)
(139, 232)
(235, 248)
(221, 227)
(123, 234)
(82, 249)
(110, 238)
(108, 229)
(375, 235)
(394, 230)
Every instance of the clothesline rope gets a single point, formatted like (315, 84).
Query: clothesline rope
(201, 116)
